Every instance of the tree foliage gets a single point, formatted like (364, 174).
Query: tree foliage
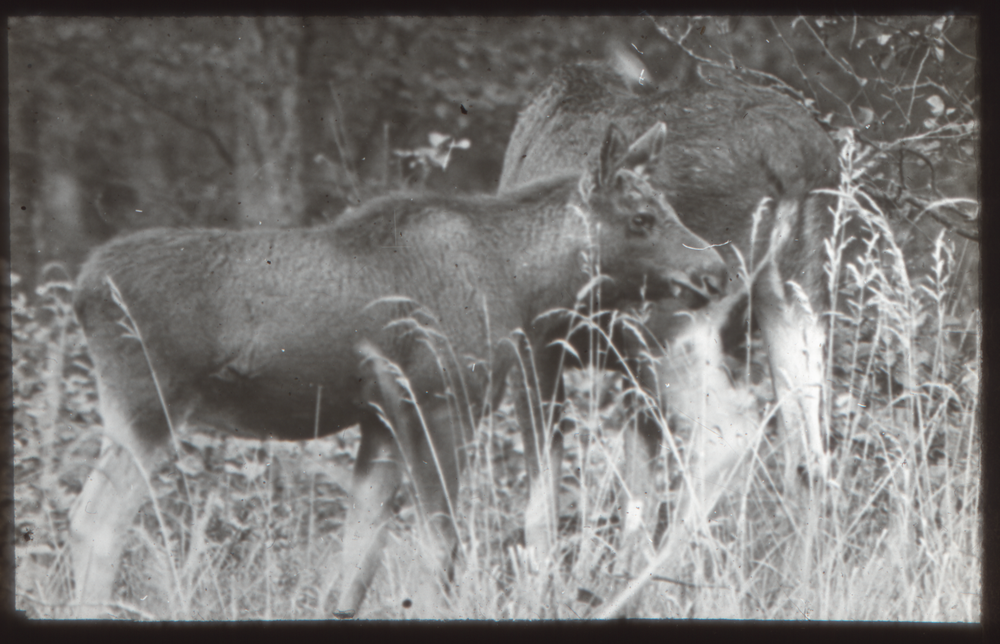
(118, 124)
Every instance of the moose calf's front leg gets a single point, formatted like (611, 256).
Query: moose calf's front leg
(542, 456)
(377, 476)
(642, 447)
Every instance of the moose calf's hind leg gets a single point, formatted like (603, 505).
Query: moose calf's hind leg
(100, 517)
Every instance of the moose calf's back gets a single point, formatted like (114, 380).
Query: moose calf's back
(247, 323)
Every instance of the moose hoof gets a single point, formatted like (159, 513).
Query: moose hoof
(344, 614)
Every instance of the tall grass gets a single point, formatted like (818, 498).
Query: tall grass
(251, 528)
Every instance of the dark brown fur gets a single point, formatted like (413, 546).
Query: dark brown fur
(729, 147)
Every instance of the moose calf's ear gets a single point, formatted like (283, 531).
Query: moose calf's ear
(647, 147)
(613, 150)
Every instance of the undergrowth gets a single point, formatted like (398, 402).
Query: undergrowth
(252, 528)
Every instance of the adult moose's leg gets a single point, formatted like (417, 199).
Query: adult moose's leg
(795, 343)
(642, 440)
(719, 429)
(721, 416)
(668, 321)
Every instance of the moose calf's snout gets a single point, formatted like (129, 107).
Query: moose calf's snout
(711, 277)
(716, 280)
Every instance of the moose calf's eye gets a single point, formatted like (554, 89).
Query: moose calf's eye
(643, 220)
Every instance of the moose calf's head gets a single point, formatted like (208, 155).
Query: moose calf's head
(641, 238)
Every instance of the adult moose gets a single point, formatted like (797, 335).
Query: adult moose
(731, 150)
(267, 333)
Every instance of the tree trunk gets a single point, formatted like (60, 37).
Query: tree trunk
(268, 152)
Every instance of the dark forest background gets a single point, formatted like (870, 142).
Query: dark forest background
(121, 124)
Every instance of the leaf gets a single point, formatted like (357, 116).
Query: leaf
(593, 283)
(201, 440)
(251, 470)
(970, 379)
(191, 464)
(842, 404)
(937, 105)
(567, 347)
(437, 139)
